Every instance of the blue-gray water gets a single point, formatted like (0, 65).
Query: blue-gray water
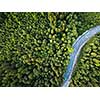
(77, 46)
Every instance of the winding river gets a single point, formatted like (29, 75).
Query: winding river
(77, 46)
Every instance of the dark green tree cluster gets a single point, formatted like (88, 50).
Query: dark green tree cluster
(35, 47)
(87, 73)
(87, 20)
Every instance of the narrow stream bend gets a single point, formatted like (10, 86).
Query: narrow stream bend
(77, 46)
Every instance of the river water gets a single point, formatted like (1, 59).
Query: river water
(77, 46)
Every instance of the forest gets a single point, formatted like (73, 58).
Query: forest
(35, 49)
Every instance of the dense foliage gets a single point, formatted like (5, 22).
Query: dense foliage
(87, 71)
(35, 47)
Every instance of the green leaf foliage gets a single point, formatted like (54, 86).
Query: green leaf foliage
(35, 46)
(87, 73)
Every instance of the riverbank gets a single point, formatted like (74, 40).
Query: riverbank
(79, 43)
